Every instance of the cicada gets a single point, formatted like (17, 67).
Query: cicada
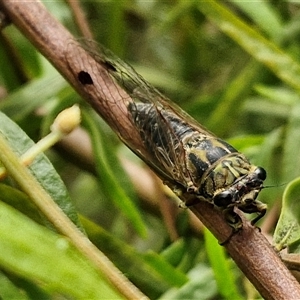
(195, 163)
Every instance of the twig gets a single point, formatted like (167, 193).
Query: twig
(80, 18)
(250, 250)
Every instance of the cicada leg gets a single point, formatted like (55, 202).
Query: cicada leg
(234, 221)
(255, 207)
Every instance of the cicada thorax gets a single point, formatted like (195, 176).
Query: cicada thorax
(213, 165)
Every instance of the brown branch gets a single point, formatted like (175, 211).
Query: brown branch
(250, 250)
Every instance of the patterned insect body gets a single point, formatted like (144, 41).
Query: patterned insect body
(191, 160)
(196, 162)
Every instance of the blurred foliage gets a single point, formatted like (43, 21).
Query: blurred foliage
(234, 67)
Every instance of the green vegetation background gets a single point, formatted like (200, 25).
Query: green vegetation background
(234, 67)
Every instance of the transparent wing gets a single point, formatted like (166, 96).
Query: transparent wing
(160, 125)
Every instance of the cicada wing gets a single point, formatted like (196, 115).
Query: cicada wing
(148, 123)
(108, 84)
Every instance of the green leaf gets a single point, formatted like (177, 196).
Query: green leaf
(117, 27)
(31, 289)
(111, 187)
(291, 162)
(264, 15)
(262, 49)
(267, 157)
(170, 275)
(21, 103)
(12, 74)
(243, 143)
(41, 168)
(19, 201)
(222, 271)
(278, 95)
(150, 272)
(175, 252)
(288, 227)
(9, 291)
(34, 252)
(233, 98)
(200, 286)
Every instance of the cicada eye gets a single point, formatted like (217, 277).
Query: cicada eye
(223, 199)
(261, 173)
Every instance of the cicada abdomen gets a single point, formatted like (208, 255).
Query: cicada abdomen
(186, 156)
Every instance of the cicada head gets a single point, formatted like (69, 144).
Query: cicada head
(242, 194)
(243, 191)
(219, 174)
